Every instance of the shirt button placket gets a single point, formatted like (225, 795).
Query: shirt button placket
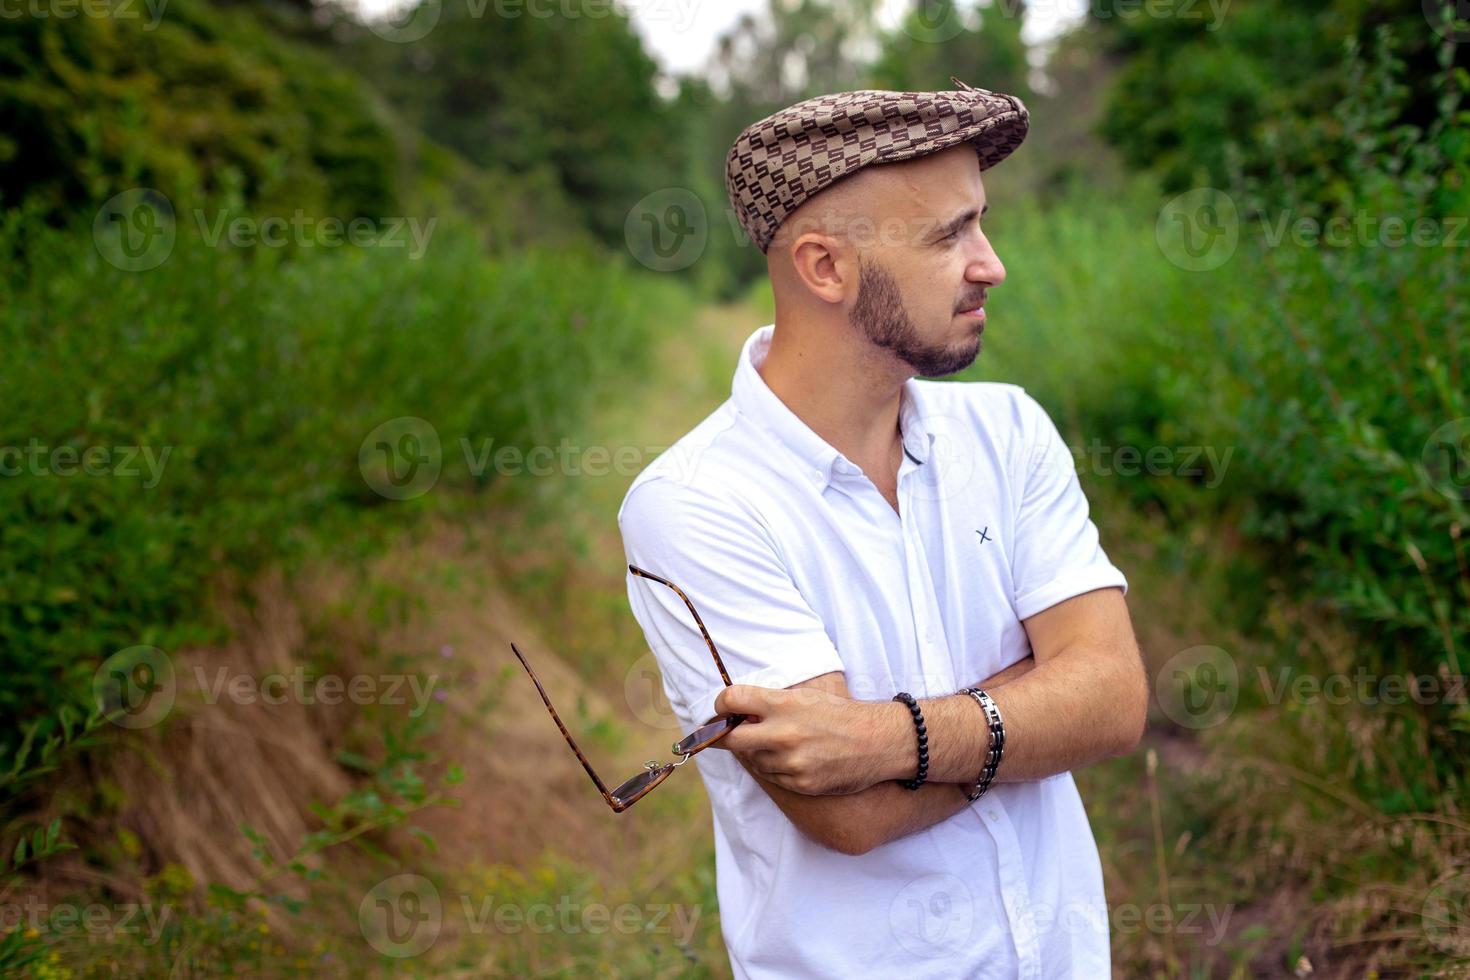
(1014, 892)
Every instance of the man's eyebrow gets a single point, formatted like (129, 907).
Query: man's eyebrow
(958, 222)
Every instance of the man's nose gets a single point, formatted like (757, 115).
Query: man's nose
(985, 265)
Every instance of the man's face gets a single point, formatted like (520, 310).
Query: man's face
(928, 266)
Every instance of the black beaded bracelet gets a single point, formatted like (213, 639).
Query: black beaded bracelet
(923, 772)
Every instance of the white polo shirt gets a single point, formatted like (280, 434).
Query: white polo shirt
(799, 567)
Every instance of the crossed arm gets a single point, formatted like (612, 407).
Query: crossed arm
(831, 763)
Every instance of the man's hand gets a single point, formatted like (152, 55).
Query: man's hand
(803, 739)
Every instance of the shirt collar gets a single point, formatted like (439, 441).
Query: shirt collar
(819, 460)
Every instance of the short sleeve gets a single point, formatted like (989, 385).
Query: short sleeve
(1056, 552)
(720, 555)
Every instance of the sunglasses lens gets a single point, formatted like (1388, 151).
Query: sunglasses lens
(640, 784)
(706, 736)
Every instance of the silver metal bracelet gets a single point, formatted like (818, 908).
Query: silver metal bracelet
(997, 742)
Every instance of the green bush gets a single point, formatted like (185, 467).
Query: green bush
(1354, 367)
(260, 373)
(204, 99)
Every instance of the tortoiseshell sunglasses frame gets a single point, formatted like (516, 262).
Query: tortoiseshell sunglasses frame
(632, 790)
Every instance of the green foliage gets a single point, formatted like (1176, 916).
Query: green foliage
(30, 760)
(260, 376)
(1355, 357)
(1258, 82)
(199, 100)
(981, 47)
(566, 90)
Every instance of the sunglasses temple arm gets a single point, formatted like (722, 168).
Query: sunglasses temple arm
(601, 788)
(724, 675)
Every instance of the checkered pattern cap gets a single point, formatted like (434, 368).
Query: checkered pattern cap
(781, 161)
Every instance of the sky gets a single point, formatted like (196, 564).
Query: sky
(681, 34)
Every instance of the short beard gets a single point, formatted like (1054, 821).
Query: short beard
(880, 316)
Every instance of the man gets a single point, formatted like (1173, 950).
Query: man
(847, 533)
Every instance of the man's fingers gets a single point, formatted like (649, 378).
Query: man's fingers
(744, 699)
(743, 738)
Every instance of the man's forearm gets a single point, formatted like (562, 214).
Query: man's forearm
(889, 811)
(1070, 711)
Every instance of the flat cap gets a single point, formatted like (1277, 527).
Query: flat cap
(776, 164)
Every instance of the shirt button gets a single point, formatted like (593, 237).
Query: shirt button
(993, 815)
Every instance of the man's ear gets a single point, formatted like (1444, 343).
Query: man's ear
(820, 264)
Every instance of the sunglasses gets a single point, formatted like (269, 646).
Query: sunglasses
(632, 790)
